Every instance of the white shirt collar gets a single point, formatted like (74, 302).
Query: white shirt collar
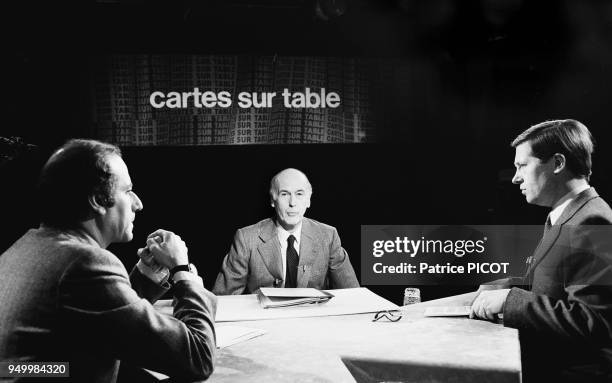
(560, 206)
(284, 234)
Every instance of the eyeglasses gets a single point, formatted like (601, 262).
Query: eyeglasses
(390, 315)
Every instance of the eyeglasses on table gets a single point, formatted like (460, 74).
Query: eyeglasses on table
(390, 315)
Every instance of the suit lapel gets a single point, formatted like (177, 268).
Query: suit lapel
(577, 204)
(269, 249)
(551, 237)
(544, 247)
(309, 249)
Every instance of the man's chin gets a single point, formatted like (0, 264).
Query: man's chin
(127, 237)
(536, 201)
(291, 223)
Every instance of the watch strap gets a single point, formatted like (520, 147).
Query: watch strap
(178, 268)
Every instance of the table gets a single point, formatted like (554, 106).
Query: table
(351, 348)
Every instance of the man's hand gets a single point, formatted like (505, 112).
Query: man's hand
(488, 304)
(167, 248)
(147, 258)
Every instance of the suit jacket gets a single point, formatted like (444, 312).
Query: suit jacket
(255, 261)
(65, 299)
(565, 316)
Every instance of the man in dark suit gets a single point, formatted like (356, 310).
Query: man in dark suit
(65, 298)
(564, 316)
(288, 251)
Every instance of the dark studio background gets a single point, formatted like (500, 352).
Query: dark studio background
(477, 73)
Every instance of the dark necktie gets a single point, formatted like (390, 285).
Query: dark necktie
(547, 225)
(292, 263)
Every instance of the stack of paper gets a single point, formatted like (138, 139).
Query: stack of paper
(270, 297)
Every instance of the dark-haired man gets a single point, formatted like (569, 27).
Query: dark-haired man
(288, 250)
(65, 298)
(564, 317)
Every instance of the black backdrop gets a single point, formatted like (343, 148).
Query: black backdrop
(480, 72)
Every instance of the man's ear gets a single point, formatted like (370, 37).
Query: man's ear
(559, 162)
(95, 205)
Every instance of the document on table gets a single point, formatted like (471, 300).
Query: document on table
(270, 297)
(231, 308)
(229, 335)
(359, 300)
(447, 311)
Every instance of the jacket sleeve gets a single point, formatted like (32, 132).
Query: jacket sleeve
(340, 268)
(232, 278)
(104, 315)
(145, 287)
(585, 311)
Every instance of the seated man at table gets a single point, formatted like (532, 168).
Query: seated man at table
(564, 315)
(288, 250)
(65, 298)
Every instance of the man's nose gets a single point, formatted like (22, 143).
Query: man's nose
(291, 200)
(517, 178)
(137, 205)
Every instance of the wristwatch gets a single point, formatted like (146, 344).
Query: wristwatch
(189, 268)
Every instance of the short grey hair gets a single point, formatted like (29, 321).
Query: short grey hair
(274, 185)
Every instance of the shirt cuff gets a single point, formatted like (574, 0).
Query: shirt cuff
(158, 276)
